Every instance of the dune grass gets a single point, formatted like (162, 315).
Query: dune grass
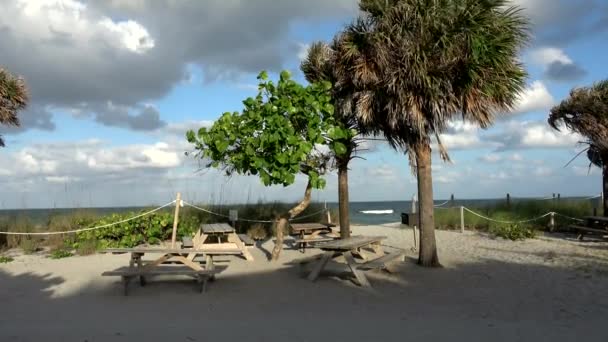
(515, 212)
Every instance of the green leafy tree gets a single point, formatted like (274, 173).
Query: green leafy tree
(13, 98)
(274, 137)
(585, 112)
(318, 66)
(417, 64)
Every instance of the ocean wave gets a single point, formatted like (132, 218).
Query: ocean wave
(377, 212)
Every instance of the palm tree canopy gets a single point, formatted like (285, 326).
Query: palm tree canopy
(416, 64)
(585, 112)
(13, 98)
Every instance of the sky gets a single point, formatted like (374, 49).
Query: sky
(115, 84)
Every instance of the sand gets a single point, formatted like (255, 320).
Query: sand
(544, 289)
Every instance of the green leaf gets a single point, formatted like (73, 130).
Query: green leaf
(339, 148)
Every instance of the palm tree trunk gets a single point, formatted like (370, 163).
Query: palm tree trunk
(343, 201)
(605, 188)
(428, 248)
(284, 220)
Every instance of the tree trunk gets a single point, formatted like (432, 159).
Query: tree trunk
(343, 201)
(428, 249)
(605, 189)
(284, 220)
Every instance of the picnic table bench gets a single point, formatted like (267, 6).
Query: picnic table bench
(593, 225)
(308, 233)
(346, 247)
(202, 270)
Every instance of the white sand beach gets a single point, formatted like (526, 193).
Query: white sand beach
(544, 289)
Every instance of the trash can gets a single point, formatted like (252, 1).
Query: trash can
(409, 219)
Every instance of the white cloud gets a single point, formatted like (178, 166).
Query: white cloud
(303, 51)
(491, 158)
(558, 66)
(536, 97)
(179, 129)
(72, 21)
(543, 171)
(530, 134)
(547, 55)
(516, 157)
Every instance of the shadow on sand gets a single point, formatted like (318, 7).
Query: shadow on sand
(482, 301)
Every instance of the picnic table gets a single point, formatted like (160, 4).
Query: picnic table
(217, 236)
(311, 232)
(593, 224)
(354, 244)
(172, 261)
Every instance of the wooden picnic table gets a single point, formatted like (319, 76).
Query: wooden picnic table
(310, 232)
(215, 236)
(172, 261)
(593, 224)
(354, 244)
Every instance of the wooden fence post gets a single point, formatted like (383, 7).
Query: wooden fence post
(178, 202)
(508, 200)
(552, 222)
(462, 219)
(452, 200)
(328, 213)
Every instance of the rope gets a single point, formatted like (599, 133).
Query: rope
(568, 217)
(91, 228)
(442, 204)
(500, 221)
(249, 220)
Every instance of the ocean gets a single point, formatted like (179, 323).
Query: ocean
(362, 213)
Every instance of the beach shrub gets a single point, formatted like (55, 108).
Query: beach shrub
(512, 231)
(60, 253)
(257, 232)
(29, 245)
(86, 247)
(5, 259)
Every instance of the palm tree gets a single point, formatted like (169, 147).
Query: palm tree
(319, 65)
(586, 113)
(417, 64)
(13, 98)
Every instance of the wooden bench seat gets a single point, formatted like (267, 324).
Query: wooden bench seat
(302, 243)
(187, 242)
(128, 273)
(379, 263)
(246, 240)
(584, 230)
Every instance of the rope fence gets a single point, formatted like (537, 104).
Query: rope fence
(182, 203)
(91, 228)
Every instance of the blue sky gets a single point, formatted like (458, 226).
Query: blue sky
(115, 85)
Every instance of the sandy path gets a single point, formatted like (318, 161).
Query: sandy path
(543, 289)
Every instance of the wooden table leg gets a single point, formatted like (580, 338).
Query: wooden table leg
(209, 265)
(352, 264)
(320, 265)
(302, 243)
(197, 243)
(377, 248)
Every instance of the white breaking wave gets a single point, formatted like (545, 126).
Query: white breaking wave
(377, 212)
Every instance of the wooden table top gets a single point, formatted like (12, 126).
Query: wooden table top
(350, 243)
(298, 227)
(216, 228)
(596, 218)
(159, 250)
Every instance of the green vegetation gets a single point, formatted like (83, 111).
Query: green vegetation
(513, 231)
(150, 229)
(585, 112)
(60, 253)
(13, 98)
(5, 259)
(518, 211)
(276, 137)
